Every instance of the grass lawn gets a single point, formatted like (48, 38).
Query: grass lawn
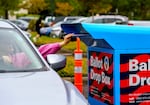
(69, 69)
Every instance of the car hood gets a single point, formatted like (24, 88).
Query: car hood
(40, 88)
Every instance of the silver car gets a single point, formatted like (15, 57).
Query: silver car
(21, 23)
(31, 81)
(108, 19)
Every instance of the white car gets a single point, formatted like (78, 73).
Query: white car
(35, 82)
(56, 29)
(48, 21)
(69, 19)
(139, 22)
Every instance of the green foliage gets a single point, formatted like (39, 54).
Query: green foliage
(20, 15)
(69, 69)
(6, 5)
(32, 25)
(35, 6)
(134, 9)
(63, 8)
(69, 47)
(77, 7)
(45, 39)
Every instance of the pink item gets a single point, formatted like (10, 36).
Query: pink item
(49, 49)
(20, 60)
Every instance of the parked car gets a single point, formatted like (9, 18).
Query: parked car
(139, 22)
(69, 19)
(45, 31)
(21, 23)
(24, 30)
(108, 19)
(82, 19)
(28, 18)
(36, 82)
(48, 21)
(56, 30)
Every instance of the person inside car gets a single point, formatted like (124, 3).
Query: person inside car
(21, 60)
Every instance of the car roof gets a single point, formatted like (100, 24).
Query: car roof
(20, 20)
(110, 16)
(5, 24)
(82, 19)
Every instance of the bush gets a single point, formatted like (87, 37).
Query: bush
(32, 25)
(68, 71)
(70, 47)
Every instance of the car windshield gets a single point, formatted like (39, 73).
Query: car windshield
(16, 53)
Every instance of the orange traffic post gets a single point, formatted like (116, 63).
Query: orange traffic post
(78, 66)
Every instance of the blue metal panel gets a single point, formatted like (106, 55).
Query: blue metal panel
(91, 97)
(116, 78)
(120, 36)
(123, 42)
(93, 101)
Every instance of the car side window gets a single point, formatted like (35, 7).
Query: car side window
(16, 53)
(109, 20)
(98, 21)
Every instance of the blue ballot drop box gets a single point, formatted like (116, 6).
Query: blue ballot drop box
(118, 62)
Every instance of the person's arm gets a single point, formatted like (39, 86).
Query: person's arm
(66, 40)
(54, 47)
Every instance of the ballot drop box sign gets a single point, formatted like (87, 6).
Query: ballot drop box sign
(122, 79)
(135, 79)
(101, 76)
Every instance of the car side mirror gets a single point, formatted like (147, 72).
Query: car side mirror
(56, 61)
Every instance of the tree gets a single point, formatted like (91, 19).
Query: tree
(91, 7)
(6, 5)
(100, 8)
(142, 9)
(135, 9)
(63, 8)
(77, 7)
(35, 6)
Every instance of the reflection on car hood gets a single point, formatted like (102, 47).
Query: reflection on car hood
(32, 89)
